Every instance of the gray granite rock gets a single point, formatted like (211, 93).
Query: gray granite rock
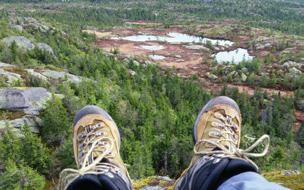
(290, 64)
(260, 46)
(32, 121)
(10, 77)
(38, 75)
(4, 65)
(211, 76)
(29, 100)
(13, 99)
(17, 27)
(21, 42)
(300, 104)
(15, 125)
(45, 47)
(60, 75)
(32, 23)
(294, 71)
(243, 77)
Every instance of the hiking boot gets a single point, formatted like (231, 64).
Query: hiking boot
(217, 153)
(96, 144)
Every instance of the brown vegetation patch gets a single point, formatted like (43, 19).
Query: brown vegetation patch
(10, 115)
(191, 62)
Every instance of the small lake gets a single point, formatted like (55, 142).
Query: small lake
(157, 57)
(175, 38)
(234, 57)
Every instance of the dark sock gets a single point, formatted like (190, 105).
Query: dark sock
(98, 182)
(211, 174)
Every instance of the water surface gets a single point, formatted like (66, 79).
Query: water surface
(175, 38)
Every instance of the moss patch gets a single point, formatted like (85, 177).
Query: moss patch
(10, 115)
(295, 182)
(153, 181)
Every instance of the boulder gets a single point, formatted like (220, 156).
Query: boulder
(243, 77)
(300, 104)
(32, 23)
(232, 74)
(61, 75)
(136, 63)
(290, 64)
(4, 65)
(131, 72)
(31, 121)
(45, 47)
(260, 46)
(294, 71)
(21, 42)
(211, 76)
(30, 100)
(38, 75)
(244, 70)
(10, 77)
(13, 99)
(17, 27)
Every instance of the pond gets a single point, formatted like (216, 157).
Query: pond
(234, 57)
(175, 38)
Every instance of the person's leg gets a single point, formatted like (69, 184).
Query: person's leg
(249, 181)
(96, 144)
(217, 157)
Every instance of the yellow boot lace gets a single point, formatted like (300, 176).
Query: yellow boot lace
(223, 133)
(93, 142)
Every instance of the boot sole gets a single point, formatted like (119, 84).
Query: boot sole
(210, 104)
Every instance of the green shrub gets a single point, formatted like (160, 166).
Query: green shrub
(27, 149)
(17, 176)
(55, 122)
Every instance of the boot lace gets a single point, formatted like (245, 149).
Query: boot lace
(93, 141)
(224, 130)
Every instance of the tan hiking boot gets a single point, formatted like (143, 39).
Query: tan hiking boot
(96, 144)
(217, 128)
(217, 134)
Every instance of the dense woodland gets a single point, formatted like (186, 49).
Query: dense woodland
(154, 109)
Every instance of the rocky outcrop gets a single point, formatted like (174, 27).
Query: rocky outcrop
(29, 100)
(61, 75)
(9, 77)
(5, 65)
(45, 47)
(17, 27)
(26, 44)
(21, 42)
(37, 75)
(32, 24)
(33, 121)
(292, 64)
